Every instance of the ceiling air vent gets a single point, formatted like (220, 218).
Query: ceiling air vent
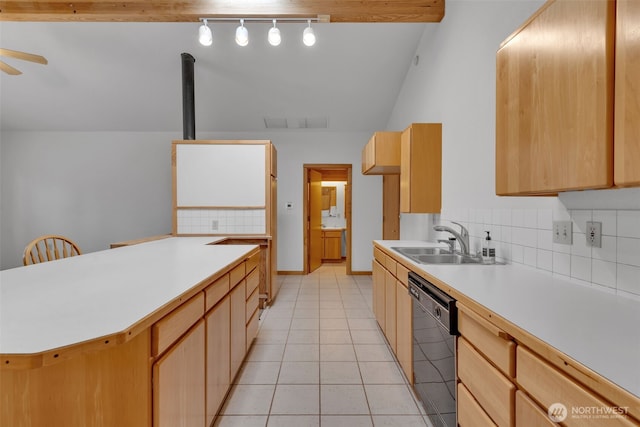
(317, 122)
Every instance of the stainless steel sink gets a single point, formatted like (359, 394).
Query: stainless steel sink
(436, 256)
(447, 259)
(410, 252)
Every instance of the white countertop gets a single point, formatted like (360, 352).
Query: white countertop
(598, 329)
(53, 304)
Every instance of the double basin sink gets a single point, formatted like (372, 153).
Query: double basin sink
(437, 256)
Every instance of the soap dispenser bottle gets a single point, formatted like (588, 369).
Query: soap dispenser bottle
(488, 251)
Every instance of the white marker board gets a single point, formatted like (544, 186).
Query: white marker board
(220, 175)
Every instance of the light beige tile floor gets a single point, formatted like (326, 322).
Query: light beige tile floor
(320, 359)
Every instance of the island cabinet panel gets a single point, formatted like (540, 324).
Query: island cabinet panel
(218, 356)
(554, 100)
(172, 326)
(179, 382)
(238, 327)
(627, 93)
(75, 391)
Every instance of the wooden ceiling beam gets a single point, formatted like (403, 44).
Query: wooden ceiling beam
(192, 10)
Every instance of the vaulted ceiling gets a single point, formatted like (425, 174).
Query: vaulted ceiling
(126, 76)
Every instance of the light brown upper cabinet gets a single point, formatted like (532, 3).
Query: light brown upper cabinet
(421, 168)
(554, 100)
(381, 155)
(627, 99)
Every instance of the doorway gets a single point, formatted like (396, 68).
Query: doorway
(335, 181)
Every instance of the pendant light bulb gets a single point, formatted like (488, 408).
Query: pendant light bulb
(274, 36)
(242, 34)
(205, 36)
(308, 36)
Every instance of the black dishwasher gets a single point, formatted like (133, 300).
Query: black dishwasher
(435, 325)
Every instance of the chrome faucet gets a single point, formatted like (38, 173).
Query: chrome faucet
(462, 237)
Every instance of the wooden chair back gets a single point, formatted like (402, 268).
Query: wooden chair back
(49, 248)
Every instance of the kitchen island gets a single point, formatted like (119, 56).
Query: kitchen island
(142, 335)
(560, 341)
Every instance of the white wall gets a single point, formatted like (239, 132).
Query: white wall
(454, 83)
(103, 187)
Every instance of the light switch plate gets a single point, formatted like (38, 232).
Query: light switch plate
(563, 232)
(594, 234)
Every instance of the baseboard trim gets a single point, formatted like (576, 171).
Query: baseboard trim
(361, 273)
(290, 273)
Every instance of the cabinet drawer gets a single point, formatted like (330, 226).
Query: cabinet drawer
(390, 264)
(237, 274)
(253, 280)
(493, 391)
(546, 385)
(216, 292)
(252, 328)
(252, 304)
(336, 234)
(470, 413)
(528, 414)
(491, 341)
(171, 327)
(379, 255)
(402, 273)
(253, 261)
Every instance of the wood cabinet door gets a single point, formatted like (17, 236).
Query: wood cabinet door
(379, 293)
(238, 328)
(404, 330)
(390, 328)
(179, 382)
(554, 101)
(627, 108)
(421, 168)
(218, 365)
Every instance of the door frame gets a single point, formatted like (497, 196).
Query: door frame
(305, 202)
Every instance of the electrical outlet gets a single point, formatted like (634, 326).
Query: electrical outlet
(594, 234)
(563, 232)
(214, 224)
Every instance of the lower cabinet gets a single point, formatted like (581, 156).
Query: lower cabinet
(179, 382)
(393, 309)
(218, 356)
(332, 245)
(238, 327)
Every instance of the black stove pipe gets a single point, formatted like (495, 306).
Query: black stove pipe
(188, 97)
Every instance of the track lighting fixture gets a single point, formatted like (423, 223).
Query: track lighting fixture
(242, 34)
(274, 36)
(308, 36)
(204, 34)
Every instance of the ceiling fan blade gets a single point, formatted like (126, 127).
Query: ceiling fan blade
(24, 56)
(9, 69)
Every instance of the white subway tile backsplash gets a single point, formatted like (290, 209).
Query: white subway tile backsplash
(629, 224)
(545, 260)
(609, 220)
(580, 219)
(629, 278)
(524, 236)
(603, 273)
(581, 268)
(562, 264)
(629, 251)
